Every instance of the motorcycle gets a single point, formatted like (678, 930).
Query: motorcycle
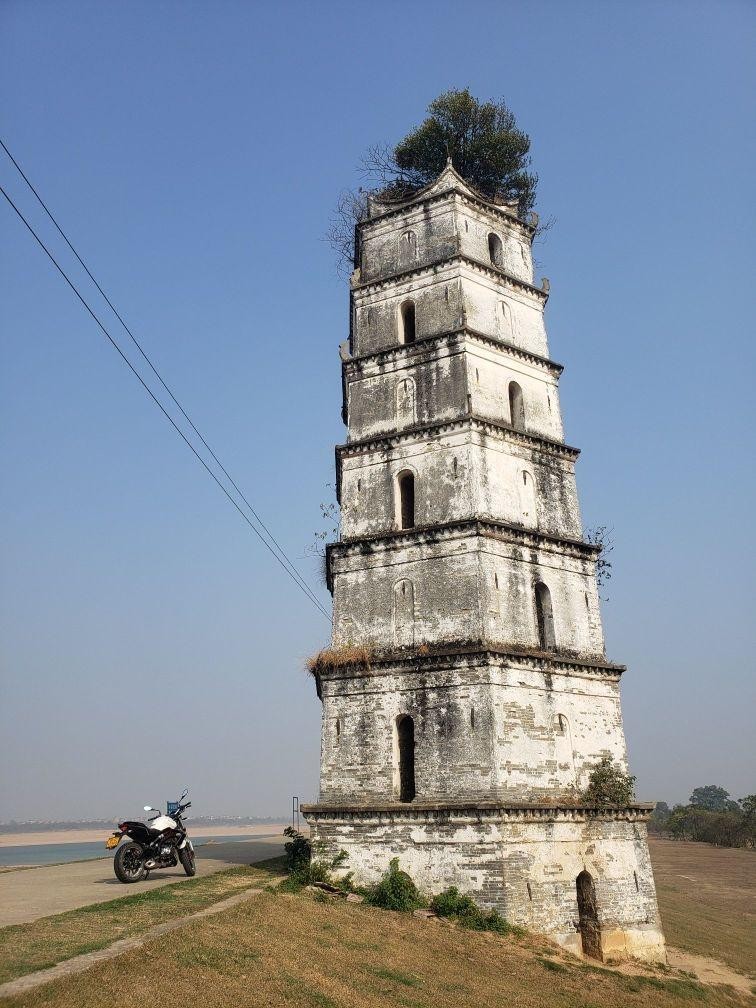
(160, 843)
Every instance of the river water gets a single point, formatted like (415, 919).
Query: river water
(60, 853)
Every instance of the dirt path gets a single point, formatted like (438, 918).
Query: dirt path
(40, 892)
(708, 971)
(84, 962)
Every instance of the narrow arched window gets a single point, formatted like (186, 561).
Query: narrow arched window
(408, 247)
(544, 617)
(506, 318)
(495, 250)
(516, 406)
(405, 738)
(406, 484)
(407, 322)
(405, 401)
(404, 613)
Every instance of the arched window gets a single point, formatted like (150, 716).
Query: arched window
(495, 250)
(544, 617)
(404, 613)
(516, 406)
(528, 510)
(405, 481)
(407, 322)
(405, 744)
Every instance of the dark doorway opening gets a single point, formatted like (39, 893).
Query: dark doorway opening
(590, 932)
(405, 731)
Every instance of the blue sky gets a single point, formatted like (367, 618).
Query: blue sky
(194, 153)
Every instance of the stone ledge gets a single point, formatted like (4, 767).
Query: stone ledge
(388, 662)
(398, 207)
(480, 526)
(478, 810)
(458, 258)
(408, 349)
(481, 423)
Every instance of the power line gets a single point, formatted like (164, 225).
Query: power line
(276, 545)
(300, 584)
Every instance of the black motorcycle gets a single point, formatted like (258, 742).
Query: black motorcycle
(161, 843)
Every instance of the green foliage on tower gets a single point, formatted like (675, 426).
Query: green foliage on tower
(608, 784)
(485, 145)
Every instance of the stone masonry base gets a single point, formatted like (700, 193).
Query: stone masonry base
(521, 860)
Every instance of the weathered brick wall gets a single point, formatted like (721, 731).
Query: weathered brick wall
(524, 868)
(386, 251)
(481, 731)
(452, 576)
(474, 227)
(376, 403)
(459, 476)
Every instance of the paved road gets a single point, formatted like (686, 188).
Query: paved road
(31, 893)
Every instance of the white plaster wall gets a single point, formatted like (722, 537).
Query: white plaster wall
(521, 323)
(526, 870)
(459, 475)
(489, 373)
(384, 253)
(439, 377)
(452, 582)
(474, 228)
(438, 308)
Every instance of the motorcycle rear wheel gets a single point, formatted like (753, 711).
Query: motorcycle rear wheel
(186, 856)
(128, 864)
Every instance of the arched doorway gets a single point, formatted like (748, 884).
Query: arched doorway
(590, 931)
(405, 736)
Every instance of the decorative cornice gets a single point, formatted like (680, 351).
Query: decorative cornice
(495, 428)
(458, 258)
(489, 528)
(439, 197)
(465, 812)
(406, 350)
(440, 657)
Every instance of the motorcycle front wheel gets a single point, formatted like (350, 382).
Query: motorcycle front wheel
(128, 864)
(186, 856)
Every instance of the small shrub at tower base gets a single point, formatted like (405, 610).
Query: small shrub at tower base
(395, 891)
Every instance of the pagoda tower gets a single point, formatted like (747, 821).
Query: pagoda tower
(466, 695)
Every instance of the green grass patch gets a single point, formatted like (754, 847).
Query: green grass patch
(40, 944)
(688, 990)
(405, 979)
(552, 965)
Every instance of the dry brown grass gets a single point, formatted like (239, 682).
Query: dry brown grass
(348, 656)
(290, 950)
(25, 948)
(707, 899)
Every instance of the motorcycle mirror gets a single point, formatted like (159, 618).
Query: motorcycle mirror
(186, 792)
(149, 808)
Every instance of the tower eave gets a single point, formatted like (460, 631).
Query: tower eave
(353, 364)
(478, 525)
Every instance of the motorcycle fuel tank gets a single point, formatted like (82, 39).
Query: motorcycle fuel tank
(163, 822)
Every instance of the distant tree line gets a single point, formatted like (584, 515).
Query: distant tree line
(711, 816)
